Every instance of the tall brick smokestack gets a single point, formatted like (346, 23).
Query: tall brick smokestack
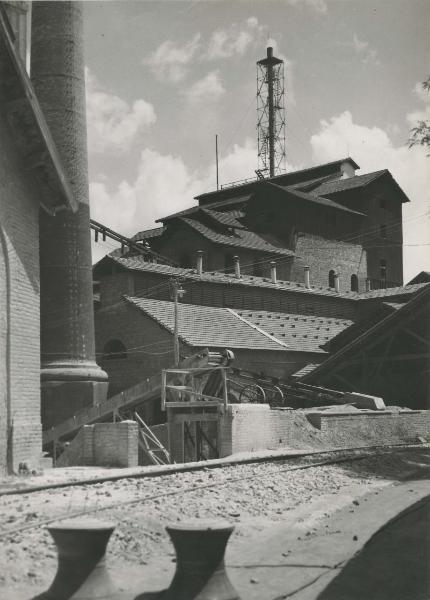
(71, 378)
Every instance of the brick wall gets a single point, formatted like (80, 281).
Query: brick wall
(323, 255)
(104, 445)
(19, 310)
(232, 295)
(149, 347)
(247, 427)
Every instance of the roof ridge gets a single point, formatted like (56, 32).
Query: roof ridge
(265, 333)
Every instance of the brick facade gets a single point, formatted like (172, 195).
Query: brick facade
(19, 310)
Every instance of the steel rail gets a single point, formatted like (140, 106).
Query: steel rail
(190, 489)
(199, 466)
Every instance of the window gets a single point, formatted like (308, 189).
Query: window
(354, 283)
(114, 349)
(331, 278)
(383, 231)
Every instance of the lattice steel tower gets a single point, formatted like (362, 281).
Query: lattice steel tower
(270, 115)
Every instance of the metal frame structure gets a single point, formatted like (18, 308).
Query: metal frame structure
(271, 115)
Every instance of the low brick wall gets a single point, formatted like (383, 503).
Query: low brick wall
(251, 427)
(104, 445)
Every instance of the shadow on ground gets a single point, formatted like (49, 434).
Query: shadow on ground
(393, 565)
(402, 465)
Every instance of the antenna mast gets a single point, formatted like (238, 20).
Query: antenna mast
(270, 114)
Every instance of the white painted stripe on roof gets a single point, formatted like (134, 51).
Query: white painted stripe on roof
(268, 335)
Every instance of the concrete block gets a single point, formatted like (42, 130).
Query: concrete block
(365, 401)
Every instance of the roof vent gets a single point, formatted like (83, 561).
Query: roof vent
(347, 170)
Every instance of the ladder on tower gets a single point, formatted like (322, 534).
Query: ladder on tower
(151, 445)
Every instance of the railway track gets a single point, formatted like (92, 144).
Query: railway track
(310, 460)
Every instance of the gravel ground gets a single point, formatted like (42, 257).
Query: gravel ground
(253, 496)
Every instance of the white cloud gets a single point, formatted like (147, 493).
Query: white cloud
(163, 184)
(373, 150)
(112, 123)
(422, 114)
(320, 6)
(235, 40)
(367, 54)
(207, 90)
(169, 62)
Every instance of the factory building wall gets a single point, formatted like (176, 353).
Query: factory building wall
(20, 427)
(207, 293)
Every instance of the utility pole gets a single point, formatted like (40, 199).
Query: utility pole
(177, 293)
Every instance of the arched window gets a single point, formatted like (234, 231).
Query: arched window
(354, 283)
(331, 278)
(228, 263)
(114, 349)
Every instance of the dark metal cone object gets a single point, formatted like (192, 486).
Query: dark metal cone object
(82, 572)
(200, 569)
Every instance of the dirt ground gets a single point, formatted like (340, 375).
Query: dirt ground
(254, 497)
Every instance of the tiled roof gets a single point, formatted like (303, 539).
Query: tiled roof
(203, 326)
(339, 185)
(394, 291)
(300, 332)
(315, 199)
(283, 179)
(137, 263)
(416, 304)
(225, 218)
(148, 234)
(358, 181)
(242, 238)
(237, 200)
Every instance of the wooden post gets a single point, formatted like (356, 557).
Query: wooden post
(225, 390)
(163, 389)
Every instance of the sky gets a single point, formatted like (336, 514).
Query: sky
(164, 77)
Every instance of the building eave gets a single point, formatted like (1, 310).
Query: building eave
(30, 130)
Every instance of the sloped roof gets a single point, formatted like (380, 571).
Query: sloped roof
(358, 181)
(239, 200)
(206, 326)
(302, 175)
(137, 263)
(422, 277)
(315, 199)
(224, 218)
(147, 234)
(242, 238)
(300, 332)
(421, 299)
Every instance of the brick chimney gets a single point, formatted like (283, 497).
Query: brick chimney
(236, 266)
(199, 262)
(273, 275)
(307, 277)
(71, 378)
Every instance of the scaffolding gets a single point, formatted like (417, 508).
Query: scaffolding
(270, 115)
